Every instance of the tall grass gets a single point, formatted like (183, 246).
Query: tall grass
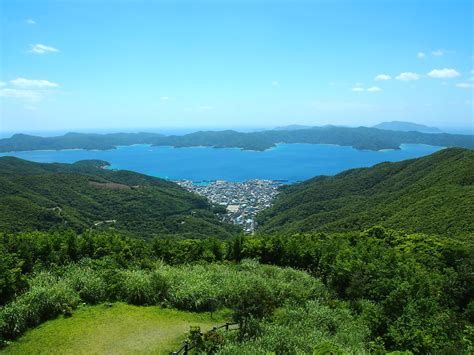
(249, 288)
(310, 328)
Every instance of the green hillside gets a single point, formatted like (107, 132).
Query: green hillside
(432, 194)
(84, 195)
(73, 140)
(359, 138)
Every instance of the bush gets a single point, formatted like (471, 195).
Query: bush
(35, 306)
(136, 288)
(87, 282)
(254, 299)
(309, 328)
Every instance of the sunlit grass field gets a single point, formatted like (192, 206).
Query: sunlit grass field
(119, 329)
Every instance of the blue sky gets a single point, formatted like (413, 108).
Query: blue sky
(85, 65)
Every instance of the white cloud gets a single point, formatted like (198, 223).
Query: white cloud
(443, 73)
(42, 49)
(275, 83)
(358, 89)
(30, 95)
(471, 78)
(472, 71)
(2, 83)
(30, 21)
(374, 89)
(465, 85)
(31, 83)
(381, 77)
(407, 76)
(438, 52)
(166, 98)
(421, 55)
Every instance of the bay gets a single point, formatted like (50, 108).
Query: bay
(289, 162)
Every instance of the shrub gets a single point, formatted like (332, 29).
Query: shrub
(35, 306)
(87, 282)
(13, 321)
(255, 299)
(136, 288)
(308, 328)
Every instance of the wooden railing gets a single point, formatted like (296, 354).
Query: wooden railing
(187, 346)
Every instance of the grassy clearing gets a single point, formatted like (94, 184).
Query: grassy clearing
(120, 329)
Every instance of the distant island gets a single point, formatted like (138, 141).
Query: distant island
(359, 138)
(362, 138)
(407, 127)
(88, 141)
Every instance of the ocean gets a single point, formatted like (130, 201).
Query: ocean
(287, 162)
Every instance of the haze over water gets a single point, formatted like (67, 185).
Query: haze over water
(291, 162)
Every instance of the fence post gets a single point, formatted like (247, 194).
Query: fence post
(226, 325)
(186, 348)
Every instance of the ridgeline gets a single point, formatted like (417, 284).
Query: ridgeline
(432, 194)
(84, 195)
(359, 138)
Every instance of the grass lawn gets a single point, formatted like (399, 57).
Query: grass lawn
(120, 329)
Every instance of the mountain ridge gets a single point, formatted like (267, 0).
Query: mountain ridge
(438, 187)
(362, 138)
(405, 126)
(81, 195)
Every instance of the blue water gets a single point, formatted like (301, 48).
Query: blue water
(292, 162)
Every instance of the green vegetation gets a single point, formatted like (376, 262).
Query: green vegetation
(373, 290)
(407, 126)
(84, 195)
(359, 138)
(433, 194)
(120, 328)
(20, 142)
(321, 276)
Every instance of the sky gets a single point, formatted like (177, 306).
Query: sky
(110, 65)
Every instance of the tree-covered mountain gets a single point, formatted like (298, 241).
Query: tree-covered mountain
(432, 194)
(359, 138)
(21, 142)
(84, 195)
(406, 127)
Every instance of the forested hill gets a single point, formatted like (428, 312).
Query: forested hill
(84, 195)
(407, 126)
(432, 194)
(21, 142)
(359, 138)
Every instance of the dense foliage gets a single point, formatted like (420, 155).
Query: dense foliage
(407, 126)
(317, 278)
(359, 138)
(84, 195)
(207, 287)
(433, 194)
(395, 291)
(20, 142)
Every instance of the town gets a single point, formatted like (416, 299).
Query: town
(242, 200)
